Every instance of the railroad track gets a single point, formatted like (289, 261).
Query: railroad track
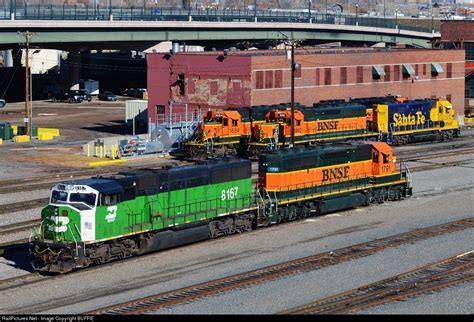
(23, 205)
(18, 227)
(274, 272)
(46, 182)
(427, 279)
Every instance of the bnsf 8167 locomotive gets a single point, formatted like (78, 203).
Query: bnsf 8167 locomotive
(97, 220)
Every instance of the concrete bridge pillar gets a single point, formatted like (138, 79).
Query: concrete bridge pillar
(8, 58)
(74, 70)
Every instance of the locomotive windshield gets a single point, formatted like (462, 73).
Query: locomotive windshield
(85, 198)
(58, 197)
(81, 201)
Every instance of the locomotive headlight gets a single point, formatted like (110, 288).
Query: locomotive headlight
(394, 160)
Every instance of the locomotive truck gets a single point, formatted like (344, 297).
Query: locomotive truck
(97, 220)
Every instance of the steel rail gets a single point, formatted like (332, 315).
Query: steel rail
(429, 278)
(275, 272)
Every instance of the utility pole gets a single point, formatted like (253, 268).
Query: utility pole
(27, 118)
(292, 93)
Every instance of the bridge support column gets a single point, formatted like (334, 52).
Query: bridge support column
(111, 17)
(74, 70)
(12, 16)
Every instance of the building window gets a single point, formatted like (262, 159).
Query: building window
(278, 79)
(378, 72)
(327, 76)
(469, 91)
(387, 73)
(407, 70)
(298, 72)
(436, 69)
(343, 75)
(396, 73)
(269, 79)
(181, 84)
(318, 77)
(213, 87)
(160, 109)
(259, 79)
(424, 69)
(416, 69)
(469, 47)
(449, 70)
(360, 74)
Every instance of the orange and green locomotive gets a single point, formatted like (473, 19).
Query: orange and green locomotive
(97, 220)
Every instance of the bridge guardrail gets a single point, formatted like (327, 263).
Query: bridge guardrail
(81, 12)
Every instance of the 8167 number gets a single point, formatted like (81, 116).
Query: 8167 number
(230, 193)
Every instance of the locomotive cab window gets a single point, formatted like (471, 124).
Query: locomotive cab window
(385, 158)
(234, 122)
(225, 122)
(375, 156)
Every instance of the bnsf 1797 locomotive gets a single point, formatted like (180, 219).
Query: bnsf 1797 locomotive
(97, 220)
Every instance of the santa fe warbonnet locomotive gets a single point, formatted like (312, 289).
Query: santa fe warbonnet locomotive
(93, 221)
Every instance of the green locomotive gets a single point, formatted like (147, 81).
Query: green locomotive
(97, 220)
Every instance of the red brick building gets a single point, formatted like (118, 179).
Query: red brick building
(214, 80)
(460, 34)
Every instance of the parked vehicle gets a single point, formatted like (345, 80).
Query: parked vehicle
(67, 96)
(2, 102)
(85, 95)
(107, 96)
(135, 92)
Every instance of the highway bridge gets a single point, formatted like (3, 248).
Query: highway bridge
(73, 28)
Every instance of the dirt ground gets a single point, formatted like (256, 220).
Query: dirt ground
(77, 123)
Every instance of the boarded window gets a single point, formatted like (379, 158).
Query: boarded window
(191, 87)
(386, 69)
(298, 72)
(259, 84)
(213, 87)
(424, 69)
(360, 74)
(327, 76)
(269, 79)
(343, 75)
(449, 71)
(318, 80)
(236, 86)
(278, 79)
(160, 109)
(416, 69)
(396, 73)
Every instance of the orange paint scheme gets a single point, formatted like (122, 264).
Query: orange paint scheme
(222, 124)
(383, 163)
(316, 176)
(283, 117)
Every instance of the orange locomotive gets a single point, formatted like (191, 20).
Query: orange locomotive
(226, 132)
(322, 122)
(301, 181)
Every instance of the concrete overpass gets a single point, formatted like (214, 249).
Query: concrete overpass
(138, 35)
